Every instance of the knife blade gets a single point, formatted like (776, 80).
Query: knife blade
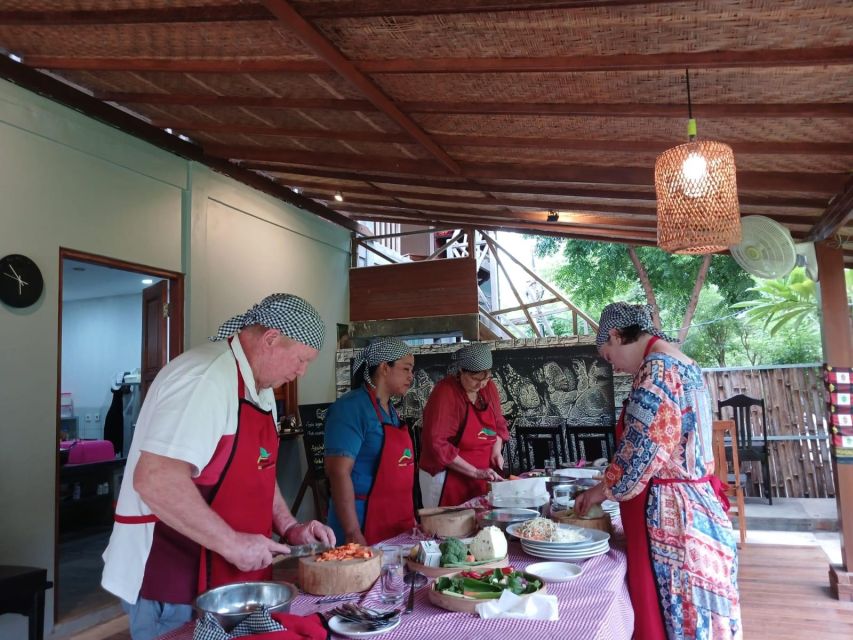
(302, 550)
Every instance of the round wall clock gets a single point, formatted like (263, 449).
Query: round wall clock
(21, 282)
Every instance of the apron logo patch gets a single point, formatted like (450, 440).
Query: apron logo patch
(487, 434)
(264, 459)
(405, 459)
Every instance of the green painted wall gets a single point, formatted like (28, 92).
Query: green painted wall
(68, 181)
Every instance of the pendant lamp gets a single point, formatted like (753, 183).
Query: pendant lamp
(696, 191)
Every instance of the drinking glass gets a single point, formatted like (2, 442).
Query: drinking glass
(563, 494)
(393, 586)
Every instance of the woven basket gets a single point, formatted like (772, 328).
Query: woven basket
(697, 198)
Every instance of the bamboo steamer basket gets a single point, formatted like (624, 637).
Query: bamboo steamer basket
(447, 523)
(602, 523)
(467, 605)
(338, 576)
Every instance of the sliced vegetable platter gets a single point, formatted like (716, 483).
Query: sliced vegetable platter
(462, 591)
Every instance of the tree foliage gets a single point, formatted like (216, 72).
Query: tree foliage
(596, 273)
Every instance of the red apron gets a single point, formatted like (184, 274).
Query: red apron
(390, 508)
(177, 568)
(475, 447)
(648, 620)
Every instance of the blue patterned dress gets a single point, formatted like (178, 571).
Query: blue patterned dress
(667, 436)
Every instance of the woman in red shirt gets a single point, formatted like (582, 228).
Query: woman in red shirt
(463, 431)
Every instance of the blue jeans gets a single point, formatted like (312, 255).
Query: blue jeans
(150, 619)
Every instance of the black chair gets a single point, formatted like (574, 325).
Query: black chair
(749, 448)
(22, 591)
(538, 442)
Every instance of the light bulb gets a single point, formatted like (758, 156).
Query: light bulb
(339, 196)
(695, 167)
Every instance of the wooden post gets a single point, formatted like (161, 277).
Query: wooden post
(838, 351)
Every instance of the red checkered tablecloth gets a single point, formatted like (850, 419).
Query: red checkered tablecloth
(594, 606)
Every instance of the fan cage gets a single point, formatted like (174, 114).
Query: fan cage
(700, 214)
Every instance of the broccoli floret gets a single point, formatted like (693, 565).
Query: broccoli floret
(452, 551)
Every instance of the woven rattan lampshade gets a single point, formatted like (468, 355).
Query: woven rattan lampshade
(697, 198)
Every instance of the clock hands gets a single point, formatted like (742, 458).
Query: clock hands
(21, 282)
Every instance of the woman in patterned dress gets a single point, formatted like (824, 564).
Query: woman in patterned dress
(682, 556)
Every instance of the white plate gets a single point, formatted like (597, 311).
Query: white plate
(554, 571)
(513, 530)
(555, 556)
(579, 472)
(593, 547)
(354, 630)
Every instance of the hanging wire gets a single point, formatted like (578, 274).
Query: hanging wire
(691, 123)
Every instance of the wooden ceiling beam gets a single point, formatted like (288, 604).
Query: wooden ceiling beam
(753, 58)
(554, 229)
(626, 110)
(757, 58)
(641, 214)
(212, 100)
(518, 188)
(756, 147)
(256, 11)
(64, 94)
(322, 47)
(581, 215)
(384, 8)
(586, 174)
(178, 65)
(839, 211)
(252, 11)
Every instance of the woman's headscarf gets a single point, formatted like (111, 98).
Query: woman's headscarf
(285, 312)
(619, 315)
(378, 351)
(476, 356)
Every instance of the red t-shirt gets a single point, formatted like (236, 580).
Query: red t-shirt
(443, 416)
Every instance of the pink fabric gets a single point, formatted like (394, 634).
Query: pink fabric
(89, 451)
(594, 606)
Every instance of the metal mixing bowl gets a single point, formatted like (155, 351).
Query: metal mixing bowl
(231, 603)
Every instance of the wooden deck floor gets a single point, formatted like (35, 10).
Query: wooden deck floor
(785, 595)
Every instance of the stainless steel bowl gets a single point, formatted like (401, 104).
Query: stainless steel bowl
(502, 518)
(231, 603)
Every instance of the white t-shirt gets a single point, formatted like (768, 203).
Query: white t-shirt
(190, 406)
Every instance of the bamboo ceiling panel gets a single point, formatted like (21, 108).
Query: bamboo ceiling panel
(412, 125)
(721, 25)
(203, 40)
(727, 130)
(776, 85)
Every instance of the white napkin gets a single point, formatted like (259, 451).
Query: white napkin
(524, 488)
(536, 606)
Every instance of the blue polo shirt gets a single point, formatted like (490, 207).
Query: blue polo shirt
(353, 430)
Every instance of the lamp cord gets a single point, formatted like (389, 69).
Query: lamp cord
(691, 123)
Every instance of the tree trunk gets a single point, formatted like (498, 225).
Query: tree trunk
(647, 285)
(694, 298)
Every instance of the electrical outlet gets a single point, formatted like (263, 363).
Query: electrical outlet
(97, 417)
(88, 417)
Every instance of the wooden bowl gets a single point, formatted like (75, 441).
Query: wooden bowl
(338, 576)
(446, 523)
(436, 572)
(468, 605)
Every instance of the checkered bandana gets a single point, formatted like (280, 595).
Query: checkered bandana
(476, 356)
(378, 351)
(290, 314)
(208, 628)
(620, 315)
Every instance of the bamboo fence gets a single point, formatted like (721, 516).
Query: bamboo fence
(800, 463)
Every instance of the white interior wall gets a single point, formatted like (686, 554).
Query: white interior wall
(101, 337)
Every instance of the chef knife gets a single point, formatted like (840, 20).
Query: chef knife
(302, 550)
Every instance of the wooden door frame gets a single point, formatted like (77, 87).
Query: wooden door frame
(176, 347)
